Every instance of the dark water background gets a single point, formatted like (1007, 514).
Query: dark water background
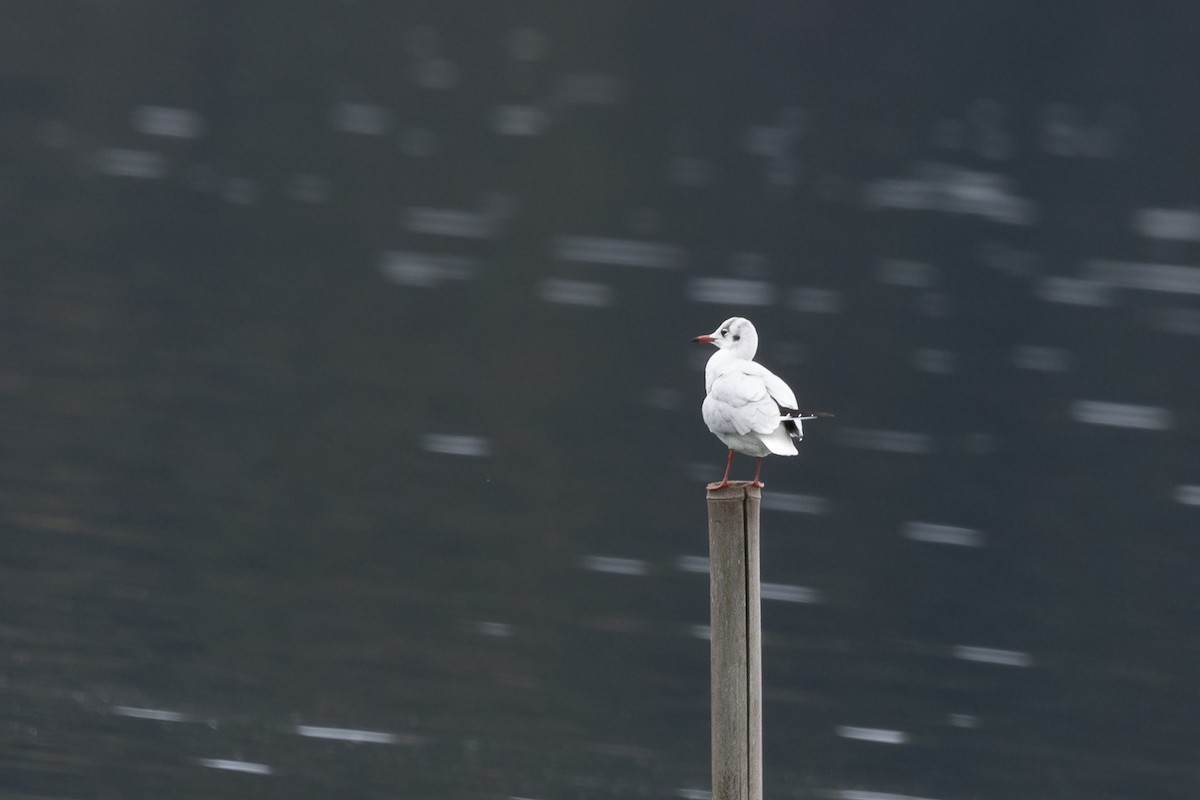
(350, 426)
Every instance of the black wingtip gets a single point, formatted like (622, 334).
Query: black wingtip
(793, 412)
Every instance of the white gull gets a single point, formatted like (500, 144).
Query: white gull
(747, 406)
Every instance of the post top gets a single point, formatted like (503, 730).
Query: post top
(735, 489)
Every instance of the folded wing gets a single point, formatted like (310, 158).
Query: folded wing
(750, 398)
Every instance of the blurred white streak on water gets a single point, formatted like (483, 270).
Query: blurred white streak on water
(616, 566)
(576, 293)
(774, 141)
(693, 794)
(1073, 291)
(233, 765)
(862, 794)
(353, 735)
(934, 186)
(1122, 415)
(942, 534)
(697, 564)
(1170, 278)
(1188, 495)
(425, 270)
(617, 252)
(501, 630)
(880, 735)
(795, 503)
(700, 631)
(789, 594)
(157, 714)
(455, 444)
(519, 120)
(992, 655)
(1040, 358)
(1170, 224)
(449, 222)
(731, 291)
(177, 123)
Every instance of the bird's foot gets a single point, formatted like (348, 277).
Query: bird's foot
(718, 485)
(757, 484)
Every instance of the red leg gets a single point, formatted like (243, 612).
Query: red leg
(757, 472)
(724, 481)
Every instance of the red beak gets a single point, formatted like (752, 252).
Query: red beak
(705, 339)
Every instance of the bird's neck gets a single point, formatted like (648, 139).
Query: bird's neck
(718, 363)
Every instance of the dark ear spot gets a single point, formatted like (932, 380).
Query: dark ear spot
(736, 337)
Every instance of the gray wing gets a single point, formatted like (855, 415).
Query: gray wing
(746, 398)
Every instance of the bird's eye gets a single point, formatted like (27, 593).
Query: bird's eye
(737, 338)
(724, 331)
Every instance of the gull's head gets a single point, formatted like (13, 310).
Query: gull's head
(736, 334)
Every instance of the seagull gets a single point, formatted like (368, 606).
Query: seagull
(747, 406)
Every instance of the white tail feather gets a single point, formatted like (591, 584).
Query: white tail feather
(779, 442)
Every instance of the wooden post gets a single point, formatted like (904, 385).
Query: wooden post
(736, 639)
